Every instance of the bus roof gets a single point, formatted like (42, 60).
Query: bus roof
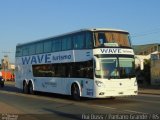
(105, 29)
(81, 30)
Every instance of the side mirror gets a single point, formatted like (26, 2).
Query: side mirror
(97, 64)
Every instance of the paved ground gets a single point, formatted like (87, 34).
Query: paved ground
(148, 89)
(5, 108)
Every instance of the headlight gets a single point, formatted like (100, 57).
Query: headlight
(99, 83)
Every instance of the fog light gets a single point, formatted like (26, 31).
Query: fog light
(101, 93)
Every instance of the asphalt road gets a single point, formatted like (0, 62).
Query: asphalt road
(52, 106)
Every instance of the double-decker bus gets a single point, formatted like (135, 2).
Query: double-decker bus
(94, 63)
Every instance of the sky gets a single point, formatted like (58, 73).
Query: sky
(23, 21)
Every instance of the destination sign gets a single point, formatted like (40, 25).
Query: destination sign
(113, 51)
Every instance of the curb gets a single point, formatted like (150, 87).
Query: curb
(148, 93)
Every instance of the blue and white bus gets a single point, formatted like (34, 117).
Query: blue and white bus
(94, 63)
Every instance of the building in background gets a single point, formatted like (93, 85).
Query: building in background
(155, 69)
(148, 53)
(145, 51)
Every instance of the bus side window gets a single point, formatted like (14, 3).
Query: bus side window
(39, 48)
(25, 51)
(56, 45)
(66, 43)
(47, 46)
(18, 52)
(32, 49)
(88, 40)
(78, 41)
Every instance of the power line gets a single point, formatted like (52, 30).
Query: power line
(145, 34)
(153, 31)
(7, 52)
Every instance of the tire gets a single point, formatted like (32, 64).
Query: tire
(25, 88)
(75, 92)
(30, 88)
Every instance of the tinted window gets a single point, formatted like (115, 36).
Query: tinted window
(56, 45)
(69, 43)
(66, 43)
(25, 51)
(47, 46)
(77, 70)
(78, 41)
(32, 49)
(89, 40)
(18, 52)
(39, 47)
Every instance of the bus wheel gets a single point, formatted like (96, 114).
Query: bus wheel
(75, 92)
(25, 88)
(31, 91)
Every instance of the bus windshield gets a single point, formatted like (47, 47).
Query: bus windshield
(110, 38)
(116, 68)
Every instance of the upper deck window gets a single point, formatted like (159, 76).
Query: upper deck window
(25, 51)
(78, 41)
(32, 49)
(47, 46)
(18, 52)
(120, 39)
(56, 45)
(66, 43)
(89, 43)
(39, 48)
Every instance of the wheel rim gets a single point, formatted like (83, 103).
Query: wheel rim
(25, 88)
(31, 89)
(75, 92)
